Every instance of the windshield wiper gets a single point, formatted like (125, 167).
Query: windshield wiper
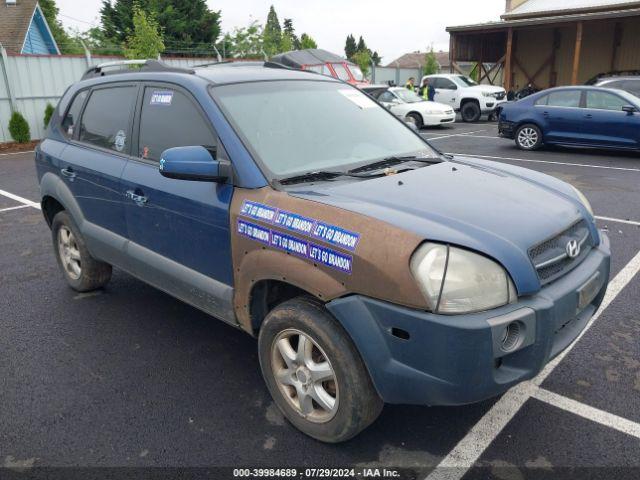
(320, 175)
(394, 160)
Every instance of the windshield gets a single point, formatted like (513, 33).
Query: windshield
(464, 81)
(295, 127)
(407, 95)
(357, 73)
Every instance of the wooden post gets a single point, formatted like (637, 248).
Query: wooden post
(617, 40)
(507, 60)
(576, 54)
(452, 51)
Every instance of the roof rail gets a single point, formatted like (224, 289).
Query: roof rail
(145, 66)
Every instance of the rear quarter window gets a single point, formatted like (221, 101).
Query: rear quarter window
(73, 113)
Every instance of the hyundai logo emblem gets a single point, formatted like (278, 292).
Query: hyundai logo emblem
(573, 249)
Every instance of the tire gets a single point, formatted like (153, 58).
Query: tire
(355, 404)
(416, 118)
(528, 137)
(470, 111)
(82, 272)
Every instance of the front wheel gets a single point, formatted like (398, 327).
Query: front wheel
(416, 119)
(528, 137)
(470, 111)
(314, 372)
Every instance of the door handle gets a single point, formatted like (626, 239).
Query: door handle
(140, 200)
(588, 115)
(545, 114)
(69, 173)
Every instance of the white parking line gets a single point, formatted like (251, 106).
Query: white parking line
(469, 136)
(15, 153)
(590, 413)
(456, 135)
(14, 208)
(482, 434)
(20, 199)
(619, 220)
(512, 159)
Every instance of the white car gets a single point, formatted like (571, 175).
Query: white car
(466, 96)
(411, 107)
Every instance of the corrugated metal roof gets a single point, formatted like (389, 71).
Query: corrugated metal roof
(549, 20)
(537, 8)
(415, 59)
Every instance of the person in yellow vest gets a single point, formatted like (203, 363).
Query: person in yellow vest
(410, 85)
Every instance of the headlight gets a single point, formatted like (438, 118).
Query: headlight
(488, 94)
(456, 281)
(584, 200)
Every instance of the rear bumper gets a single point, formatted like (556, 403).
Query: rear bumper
(455, 360)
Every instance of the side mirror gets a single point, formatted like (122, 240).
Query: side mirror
(193, 163)
(630, 109)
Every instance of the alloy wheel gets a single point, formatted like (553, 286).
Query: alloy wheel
(527, 137)
(69, 252)
(304, 376)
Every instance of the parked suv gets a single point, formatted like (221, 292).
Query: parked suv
(623, 81)
(370, 267)
(466, 96)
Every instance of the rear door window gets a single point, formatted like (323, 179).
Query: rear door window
(73, 113)
(564, 98)
(106, 121)
(170, 118)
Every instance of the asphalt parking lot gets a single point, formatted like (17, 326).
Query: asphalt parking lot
(130, 377)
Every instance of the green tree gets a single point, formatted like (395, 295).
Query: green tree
(187, 25)
(362, 58)
(146, 39)
(307, 42)
(286, 43)
(350, 47)
(245, 42)
(65, 42)
(288, 30)
(362, 46)
(431, 65)
(376, 58)
(272, 33)
(19, 128)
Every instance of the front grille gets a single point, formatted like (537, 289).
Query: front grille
(550, 257)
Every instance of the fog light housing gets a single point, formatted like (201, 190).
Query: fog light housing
(512, 336)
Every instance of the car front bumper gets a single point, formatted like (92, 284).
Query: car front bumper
(506, 129)
(433, 119)
(490, 105)
(456, 360)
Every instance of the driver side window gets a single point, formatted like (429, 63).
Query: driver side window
(446, 84)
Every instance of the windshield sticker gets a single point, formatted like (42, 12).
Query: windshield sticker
(161, 97)
(357, 97)
(289, 244)
(254, 232)
(258, 211)
(336, 236)
(294, 222)
(330, 258)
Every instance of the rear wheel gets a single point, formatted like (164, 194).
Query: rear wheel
(470, 111)
(528, 137)
(81, 271)
(314, 372)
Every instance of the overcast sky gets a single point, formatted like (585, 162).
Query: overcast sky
(390, 27)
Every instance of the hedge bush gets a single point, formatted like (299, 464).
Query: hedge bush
(19, 128)
(48, 112)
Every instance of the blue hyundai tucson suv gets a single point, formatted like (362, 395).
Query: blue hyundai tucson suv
(371, 268)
